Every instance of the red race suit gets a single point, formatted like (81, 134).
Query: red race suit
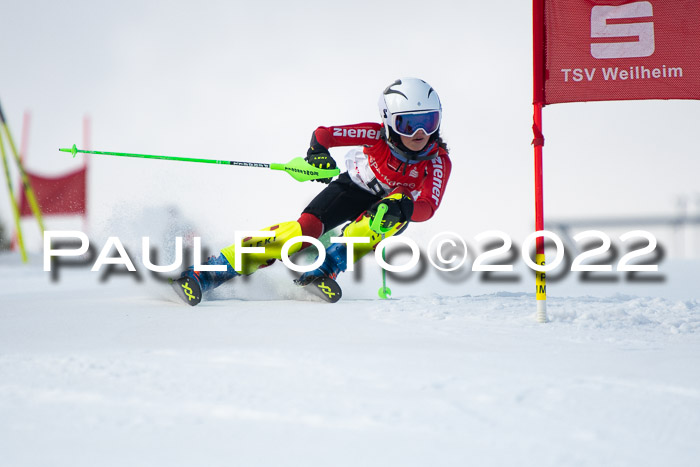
(376, 169)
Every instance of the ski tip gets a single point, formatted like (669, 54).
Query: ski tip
(325, 288)
(187, 289)
(328, 289)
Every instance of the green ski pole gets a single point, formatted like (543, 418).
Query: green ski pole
(298, 168)
(376, 225)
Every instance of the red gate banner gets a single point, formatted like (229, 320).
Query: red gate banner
(58, 195)
(599, 50)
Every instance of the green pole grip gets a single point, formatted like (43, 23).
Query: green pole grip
(376, 223)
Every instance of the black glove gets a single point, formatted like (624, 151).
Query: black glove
(319, 157)
(399, 209)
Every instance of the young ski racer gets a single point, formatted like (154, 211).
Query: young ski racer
(401, 163)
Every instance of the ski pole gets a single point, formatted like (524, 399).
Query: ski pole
(25, 183)
(13, 200)
(298, 168)
(376, 226)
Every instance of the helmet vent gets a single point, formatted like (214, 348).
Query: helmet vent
(388, 90)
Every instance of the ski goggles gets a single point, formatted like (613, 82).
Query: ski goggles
(408, 124)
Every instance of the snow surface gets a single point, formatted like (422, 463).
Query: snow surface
(117, 373)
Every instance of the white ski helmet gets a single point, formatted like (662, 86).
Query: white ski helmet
(406, 106)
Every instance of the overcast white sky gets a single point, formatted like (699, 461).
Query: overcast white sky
(251, 80)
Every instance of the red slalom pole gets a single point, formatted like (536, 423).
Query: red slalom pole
(540, 283)
(538, 81)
